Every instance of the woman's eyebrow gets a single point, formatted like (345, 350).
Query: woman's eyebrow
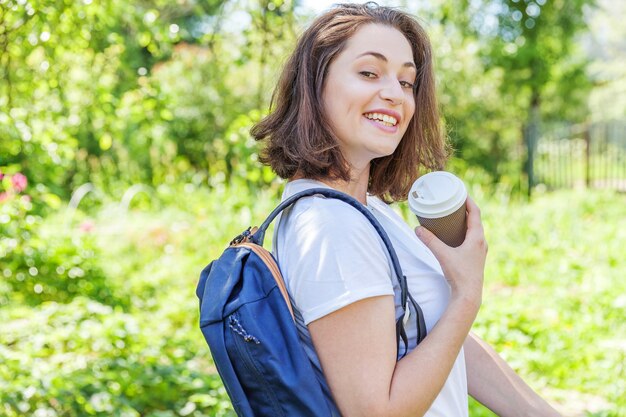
(382, 57)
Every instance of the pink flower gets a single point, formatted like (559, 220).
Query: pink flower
(86, 226)
(3, 197)
(19, 182)
(1, 175)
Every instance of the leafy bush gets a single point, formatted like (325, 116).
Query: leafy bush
(87, 358)
(37, 268)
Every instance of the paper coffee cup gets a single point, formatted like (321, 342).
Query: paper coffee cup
(438, 200)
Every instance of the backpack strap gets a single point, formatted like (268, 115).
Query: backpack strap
(405, 297)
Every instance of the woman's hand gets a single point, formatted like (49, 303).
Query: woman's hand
(463, 266)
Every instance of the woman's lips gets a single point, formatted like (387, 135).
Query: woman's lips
(381, 126)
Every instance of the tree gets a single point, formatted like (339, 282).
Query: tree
(535, 45)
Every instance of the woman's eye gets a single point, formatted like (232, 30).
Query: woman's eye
(406, 84)
(367, 74)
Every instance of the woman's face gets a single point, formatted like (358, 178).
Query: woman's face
(368, 93)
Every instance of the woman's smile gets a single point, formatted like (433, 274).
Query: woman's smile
(386, 120)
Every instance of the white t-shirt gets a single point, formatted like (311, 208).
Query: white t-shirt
(331, 256)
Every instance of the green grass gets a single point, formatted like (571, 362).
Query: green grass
(554, 307)
(555, 296)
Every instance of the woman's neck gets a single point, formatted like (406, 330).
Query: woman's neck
(356, 187)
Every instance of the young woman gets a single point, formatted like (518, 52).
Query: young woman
(355, 110)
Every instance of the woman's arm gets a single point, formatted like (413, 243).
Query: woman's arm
(356, 344)
(495, 385)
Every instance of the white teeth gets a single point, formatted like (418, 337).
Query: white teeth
(384, 118)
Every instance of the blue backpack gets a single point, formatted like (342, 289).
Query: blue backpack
(247, 320)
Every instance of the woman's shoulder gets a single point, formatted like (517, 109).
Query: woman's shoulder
(330, 215)
(321, 212)
(320, 209)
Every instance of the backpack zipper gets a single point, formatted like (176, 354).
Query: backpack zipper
(234, 324)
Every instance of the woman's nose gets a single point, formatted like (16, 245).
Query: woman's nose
(392, 92)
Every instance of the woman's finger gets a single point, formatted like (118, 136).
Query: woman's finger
(474, 223)
(475, 231)
(436, 246)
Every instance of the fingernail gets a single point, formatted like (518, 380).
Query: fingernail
(418, 231)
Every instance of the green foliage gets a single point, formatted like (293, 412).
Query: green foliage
(117, 93)
(36, 266)
(483, 125)
(535, 44)
(497, 61)
(85, 65)
(91, 359)
(607, 71)
(554, 296)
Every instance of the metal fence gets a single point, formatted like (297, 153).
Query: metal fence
(590, 155)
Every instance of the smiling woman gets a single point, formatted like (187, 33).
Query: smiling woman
(392, 51)
(355, 111)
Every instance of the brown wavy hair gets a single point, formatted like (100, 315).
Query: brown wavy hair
(299, 138)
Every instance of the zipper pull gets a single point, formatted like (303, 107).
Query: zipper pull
(240, 238)
(407, 314)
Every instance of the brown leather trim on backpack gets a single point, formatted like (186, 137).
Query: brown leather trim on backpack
(271, 264)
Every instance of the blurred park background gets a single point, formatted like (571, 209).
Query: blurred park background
(126, 165)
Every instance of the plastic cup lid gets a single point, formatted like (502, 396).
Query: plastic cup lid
(437, 194)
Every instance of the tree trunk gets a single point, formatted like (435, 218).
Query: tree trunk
(531, 137)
